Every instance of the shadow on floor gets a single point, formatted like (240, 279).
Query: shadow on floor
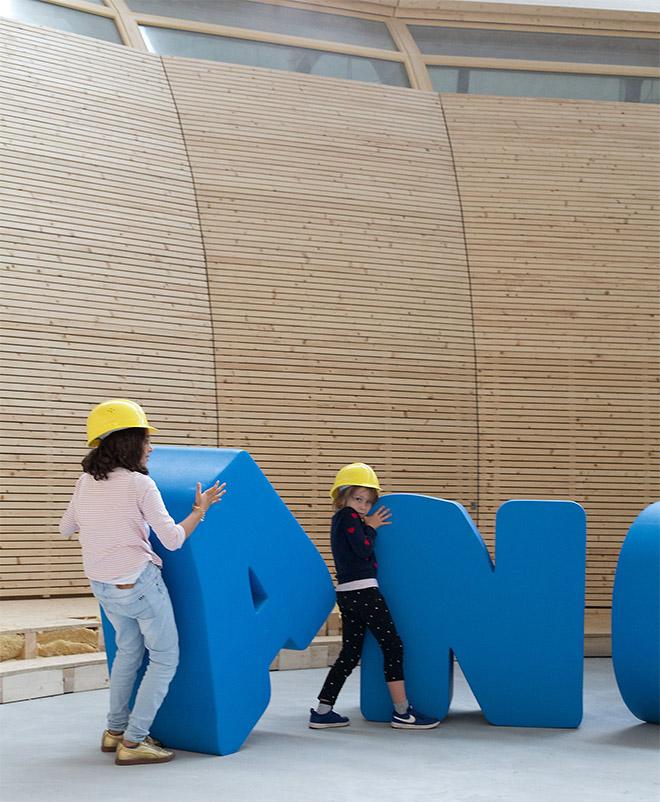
(639, 736)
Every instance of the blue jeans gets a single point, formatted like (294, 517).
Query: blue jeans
(142, 616)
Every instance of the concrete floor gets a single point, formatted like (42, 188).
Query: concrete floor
(49, 753)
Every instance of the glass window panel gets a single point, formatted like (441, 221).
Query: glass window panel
(273, 19)
(649, 91)
(519, 83)
(36, 12)
(529, 84)
(168, 42)
(444, 79)
(477, 42)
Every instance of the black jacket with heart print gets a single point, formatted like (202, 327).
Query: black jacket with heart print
(352, 543)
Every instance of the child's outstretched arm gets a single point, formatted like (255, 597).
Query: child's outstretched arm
(172, 535)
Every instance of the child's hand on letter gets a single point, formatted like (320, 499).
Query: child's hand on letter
(380, 518)
(210, 496)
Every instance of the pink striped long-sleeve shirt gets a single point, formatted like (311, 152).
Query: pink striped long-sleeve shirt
(113, 517)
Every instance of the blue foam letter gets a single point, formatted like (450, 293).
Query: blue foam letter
(247, 583)
(636, 617)
(517, 629)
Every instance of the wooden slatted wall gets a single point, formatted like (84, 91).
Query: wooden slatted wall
(338, 287)
(103, 279)
(560, 201)
(338, 280)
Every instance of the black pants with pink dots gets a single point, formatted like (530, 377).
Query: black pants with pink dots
(362, 610)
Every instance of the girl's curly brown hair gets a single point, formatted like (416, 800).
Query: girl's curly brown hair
(341, 498)
(122, 449)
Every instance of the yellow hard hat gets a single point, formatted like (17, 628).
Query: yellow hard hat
(111, 416)
(357, 474)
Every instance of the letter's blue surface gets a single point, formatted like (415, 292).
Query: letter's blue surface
(517, 629)
(247, 583)
(636, 617)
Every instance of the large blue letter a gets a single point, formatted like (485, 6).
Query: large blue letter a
(247, 583)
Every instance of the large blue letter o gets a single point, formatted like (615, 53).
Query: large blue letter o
(636, 617)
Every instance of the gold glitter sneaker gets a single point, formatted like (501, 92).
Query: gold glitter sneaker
(142, 753)
(110, 742)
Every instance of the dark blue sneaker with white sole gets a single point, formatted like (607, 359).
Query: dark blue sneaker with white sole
(327, 720)
(413, 720)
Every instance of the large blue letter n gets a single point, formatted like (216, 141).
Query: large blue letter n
(516, 628)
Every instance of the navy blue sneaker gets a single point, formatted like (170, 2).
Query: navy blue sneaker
(327, 720)
(413, 720)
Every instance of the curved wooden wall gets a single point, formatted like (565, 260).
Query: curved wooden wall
(319, 223)
(338, 280)
(103, 279)
(560, 202)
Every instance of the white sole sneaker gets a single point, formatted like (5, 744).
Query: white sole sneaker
(400, 725)
(328, 726)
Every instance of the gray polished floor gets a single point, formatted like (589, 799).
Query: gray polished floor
(49, 753)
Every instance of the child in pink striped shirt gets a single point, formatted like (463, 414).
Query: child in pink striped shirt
(114, 504)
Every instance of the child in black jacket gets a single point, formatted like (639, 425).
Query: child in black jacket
(352, 539)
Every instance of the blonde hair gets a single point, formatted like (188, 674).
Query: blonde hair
(341, 497)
